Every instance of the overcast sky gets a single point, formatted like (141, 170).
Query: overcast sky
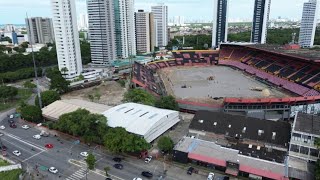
(14, 11)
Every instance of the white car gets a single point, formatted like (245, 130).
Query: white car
(148, 159)
(210, 176)
(2, 127)
(11, 116)
(25, 127)
(16, 152)
(137, 179)
(53, 170)
(37, 136)
(84, 154)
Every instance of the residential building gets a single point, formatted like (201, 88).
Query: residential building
(260, 21)
(308, 23)
(305, 131)
(178, 21)
(124, 28)
(145, 34)
(101, 32)
(40, 30)
(67, 38)
(220, 22)
(83, 21)
(161, 24)
(14, 38)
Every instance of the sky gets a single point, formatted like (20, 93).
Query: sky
(14, 11)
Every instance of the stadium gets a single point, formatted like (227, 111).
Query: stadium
(260, 81)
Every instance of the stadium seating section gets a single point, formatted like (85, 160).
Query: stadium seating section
(299, 76)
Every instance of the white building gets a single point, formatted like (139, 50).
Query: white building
(220, 22)
(260, 21)
(101, 32)
(308, 23)
(40, 30)
(83, 21)
(145, 34)
(178, 21)
(146, 121)
(67, 37)
(161, 24)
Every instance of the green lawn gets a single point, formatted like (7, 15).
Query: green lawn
(11, 175)
(23, 95)
(3, 163)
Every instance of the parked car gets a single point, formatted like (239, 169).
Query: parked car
(116, 159)
(44, 134)
(118, 166)
(2, 127)
(137, 178)
(190, 170)
(84, 154)
(49, 146)
(148, 159)
(37, 136)
(147, 174)
(25, 127)
(13, 125)
(53, 170)
(16, 152)
(11, 116)
(10, 121)
(210, 176)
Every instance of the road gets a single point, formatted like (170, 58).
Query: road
(65, 156)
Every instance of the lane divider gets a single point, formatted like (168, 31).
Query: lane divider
(24, 141)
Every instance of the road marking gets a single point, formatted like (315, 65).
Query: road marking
(24, 141)
(14, 144)
(33, 156)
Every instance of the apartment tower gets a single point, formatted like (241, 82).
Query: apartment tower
(40, 30)
(145, 34)
(220, 22)
(260, 21)
(161, 24)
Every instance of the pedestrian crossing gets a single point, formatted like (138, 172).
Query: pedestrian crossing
(81, 173)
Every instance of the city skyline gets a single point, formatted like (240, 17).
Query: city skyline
(176, 8)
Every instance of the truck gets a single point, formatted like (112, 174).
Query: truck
(44, 133)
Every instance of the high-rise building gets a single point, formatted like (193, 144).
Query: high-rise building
(8, 28)
(67, 38)
(178, 21)
(308, 23)
(220, 22)
(101, 32)
(161, 24)
(260, 21)
(145, 34)
(83, 21)
(40, 30)
(124, 28)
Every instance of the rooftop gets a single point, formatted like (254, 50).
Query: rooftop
(307, 123)
(54, 110)
(241, 127)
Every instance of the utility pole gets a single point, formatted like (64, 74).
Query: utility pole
(34, 65)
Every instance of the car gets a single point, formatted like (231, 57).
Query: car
(44, 134)
(11, 116)
(148, 159)
(37, 136)
(53, 170)
(190, 170)
(1, 134)
(2, 127)
(16, 152)
(137, 179)
(116, 159)
(210, 176)
(13, 125)
(118, 166)
(3, 147)
(25, 127)
(10, 121)
(84, 154)
(147, 174)
(108, 178)
(49, 146)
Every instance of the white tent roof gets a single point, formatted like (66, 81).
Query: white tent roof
(141, 119)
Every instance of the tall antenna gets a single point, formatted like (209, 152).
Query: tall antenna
(34, 63)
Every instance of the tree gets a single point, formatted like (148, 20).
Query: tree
(7, 92)
(118, 140)
(317, 170)
(91, 161)
(85, 52)
(24, 45)
(7, 39)
(91, 97)
(29, 85)
(97, 95)
(165, 143)
(317, 143)
(31, 113)
(107, 169)
(139, 96)
(9, 49)
(57, 82)
(47, 97)
(167, 102)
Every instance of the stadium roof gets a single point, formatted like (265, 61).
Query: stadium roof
(307, 123)
(54, 110)
(146, 121)
(274, 132)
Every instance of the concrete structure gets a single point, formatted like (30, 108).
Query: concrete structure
(145, 121)
(145, 34)
(40, 30)
(101, 32)
(260, 21)
(124, 28)
(67, 37)
(306, 129)
(308, 23)
(161, 24)
(83, 21)
(54, 110)
(220, 22)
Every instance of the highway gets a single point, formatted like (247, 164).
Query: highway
(65, 156)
